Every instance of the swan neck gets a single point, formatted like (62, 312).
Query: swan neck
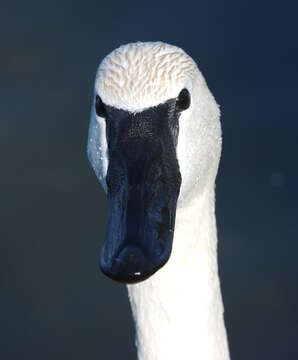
(178, 312)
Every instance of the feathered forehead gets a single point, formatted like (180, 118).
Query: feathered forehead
(140, 75)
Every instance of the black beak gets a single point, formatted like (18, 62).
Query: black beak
(143, 182)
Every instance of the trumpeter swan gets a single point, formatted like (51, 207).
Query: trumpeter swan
(155, 143)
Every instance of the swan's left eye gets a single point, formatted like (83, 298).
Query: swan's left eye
(99, 107)
(183, 100)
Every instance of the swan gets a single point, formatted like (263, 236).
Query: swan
(155, 143)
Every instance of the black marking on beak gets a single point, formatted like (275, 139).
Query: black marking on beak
(143, 181)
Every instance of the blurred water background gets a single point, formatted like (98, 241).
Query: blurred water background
(54, 302)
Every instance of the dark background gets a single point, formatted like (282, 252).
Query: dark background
(54, 302)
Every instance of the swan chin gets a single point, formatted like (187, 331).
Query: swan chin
(143, 184)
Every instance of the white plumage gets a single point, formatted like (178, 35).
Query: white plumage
(178, 311)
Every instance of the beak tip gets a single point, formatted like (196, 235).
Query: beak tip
(130, 266)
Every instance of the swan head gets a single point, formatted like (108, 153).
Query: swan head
(154, 143)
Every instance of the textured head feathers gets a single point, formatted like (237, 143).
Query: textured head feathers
(140, 75)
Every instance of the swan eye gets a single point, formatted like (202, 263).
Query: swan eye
(183, 100)
(99, 107)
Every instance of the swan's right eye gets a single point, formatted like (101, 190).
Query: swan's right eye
(183, 100)
(99, 107)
